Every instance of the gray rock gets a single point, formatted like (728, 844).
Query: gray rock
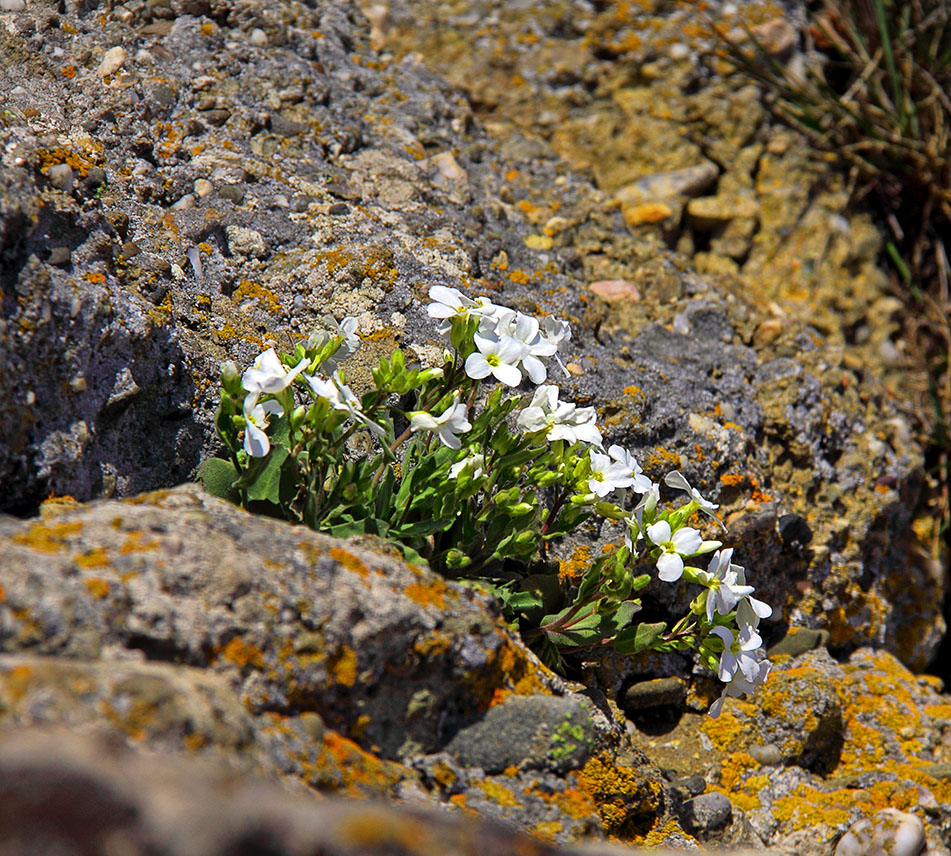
(706, 813)
(527, 732)
(61, 792)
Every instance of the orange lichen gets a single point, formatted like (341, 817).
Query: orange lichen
(98, 588)
(48, 538)
(343, 666)
(95, 558)
(349, 561)
(625, 797)
(432, 594)
(571, 570)
(135, 543)
(242, 653)
(499, 793)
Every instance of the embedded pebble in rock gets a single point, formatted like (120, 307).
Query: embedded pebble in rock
(246, 242)
(112, 61)
(888, 833)
(615, 290)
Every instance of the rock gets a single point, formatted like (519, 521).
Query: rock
(63, 792)
(709, 212)
(246, 242)
(527, 732)
(662, 691)
(615, 290)
(706, 813)
(178, 622)
(659, 187)
(112, 60)
(887, 833)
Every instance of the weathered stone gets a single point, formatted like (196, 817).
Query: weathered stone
(527, 732)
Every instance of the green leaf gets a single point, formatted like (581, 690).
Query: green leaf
(218, 476)
(640, 638)
(267, 484)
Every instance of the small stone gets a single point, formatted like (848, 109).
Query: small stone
(529, 732)
(709, 212)
(246, 242)
(59, 256)
(777, 36)
(665, 186)
(646, 213)
(216, 117)
(203, 187)
(258, 37)
(232, 193)
(615, 290)
(706, 813)
(61, 177)
(539, 242)
(112, 61)
(449, 167)
(186, 202)
(12, 5)
(662, 691)
(338, 209)
(78, 383)
(129, 249)
(889, 832)
(769, 754)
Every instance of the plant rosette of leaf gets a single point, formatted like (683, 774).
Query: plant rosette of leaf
(478, 481)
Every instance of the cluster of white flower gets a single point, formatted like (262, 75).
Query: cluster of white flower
(268, 375)
(509, 345)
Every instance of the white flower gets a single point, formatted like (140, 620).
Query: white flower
(498, 357)
(557, 332)
(525, 330)
(740, 686)
(351, 341)
(560, 420)
(639, 482)
(449, 303)
(267, 373)
(750, 610)
(475, 462)
(677, 480)
(341, 397)
(724, 590)
(447, 426)
(741, 653)
(684, 542)
(256, 443)
(606, 475)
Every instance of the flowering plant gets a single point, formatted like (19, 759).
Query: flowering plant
(462, 471)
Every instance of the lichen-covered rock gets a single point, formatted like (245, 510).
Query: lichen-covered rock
(885, 744)
(184, 624)
(61, 792)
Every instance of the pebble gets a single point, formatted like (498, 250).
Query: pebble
(258, 37)
(661, 691)
(889, 832)
(112, 61)
(186, 202)
(59, 256)
(707, 812)
(12, 5)
(615, 290)
(61, 177)
(203, 187)
(246, 242)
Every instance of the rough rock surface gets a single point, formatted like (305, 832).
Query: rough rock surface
(184, 624)
(91, 795)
